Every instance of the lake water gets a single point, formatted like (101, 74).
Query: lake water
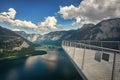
(54, 65)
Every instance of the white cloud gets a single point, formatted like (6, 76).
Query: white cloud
(78, 21)
(15, 29)
(49, 23)
(10, 14)
(33, 37)
(7, 16)
(69, 12)
(91, 11)
(25, 24)
(10, 18)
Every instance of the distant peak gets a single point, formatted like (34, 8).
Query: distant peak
(88, 25)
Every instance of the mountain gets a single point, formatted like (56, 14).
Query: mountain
(10, 41)
(30, 37)
(21, 33)
(107, 30)
(56, 37)
(104, 30)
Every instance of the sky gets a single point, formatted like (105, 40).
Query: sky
(43, 16)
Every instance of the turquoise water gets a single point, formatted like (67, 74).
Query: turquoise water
(54, 65)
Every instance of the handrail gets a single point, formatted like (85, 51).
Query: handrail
(92, 46)
(91, 41)
(90, 53)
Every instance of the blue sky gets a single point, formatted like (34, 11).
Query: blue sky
(42, 16)
(36, 11)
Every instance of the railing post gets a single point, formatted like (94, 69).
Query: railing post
(102, 45)
(89, 44)
(74, 50)
(70, 44)
(62, 43)
(118, 45)
(83, 58)
(80, 45)
(67, 43)
(113, 68)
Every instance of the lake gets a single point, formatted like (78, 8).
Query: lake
(55, 65)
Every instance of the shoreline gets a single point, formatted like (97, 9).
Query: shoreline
(22, 55)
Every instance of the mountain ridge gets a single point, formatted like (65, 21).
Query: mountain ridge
(105, 30)
(10, 41)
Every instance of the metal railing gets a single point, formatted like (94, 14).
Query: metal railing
(98, 60)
